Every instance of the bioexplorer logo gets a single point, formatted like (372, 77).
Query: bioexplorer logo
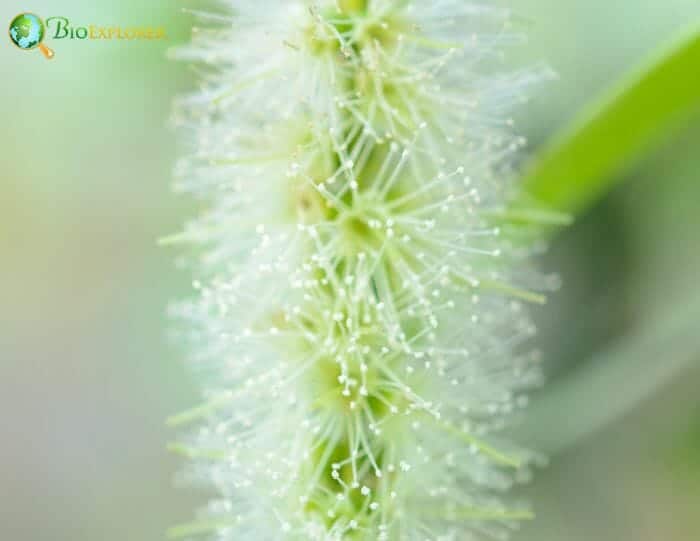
(28, 31)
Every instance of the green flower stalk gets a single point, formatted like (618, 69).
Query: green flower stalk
(359, 322)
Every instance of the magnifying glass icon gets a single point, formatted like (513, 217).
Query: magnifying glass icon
(27, 32)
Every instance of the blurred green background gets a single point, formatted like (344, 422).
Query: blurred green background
(87, 374)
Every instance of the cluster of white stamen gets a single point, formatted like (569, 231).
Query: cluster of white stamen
(359, 320)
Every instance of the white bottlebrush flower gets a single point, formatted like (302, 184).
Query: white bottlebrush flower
(358, 325)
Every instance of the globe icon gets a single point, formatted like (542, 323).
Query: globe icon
(27, 31)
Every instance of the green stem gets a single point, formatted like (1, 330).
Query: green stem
(353, 6)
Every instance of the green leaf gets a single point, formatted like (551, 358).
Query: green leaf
(616, 380)
(585, 160)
